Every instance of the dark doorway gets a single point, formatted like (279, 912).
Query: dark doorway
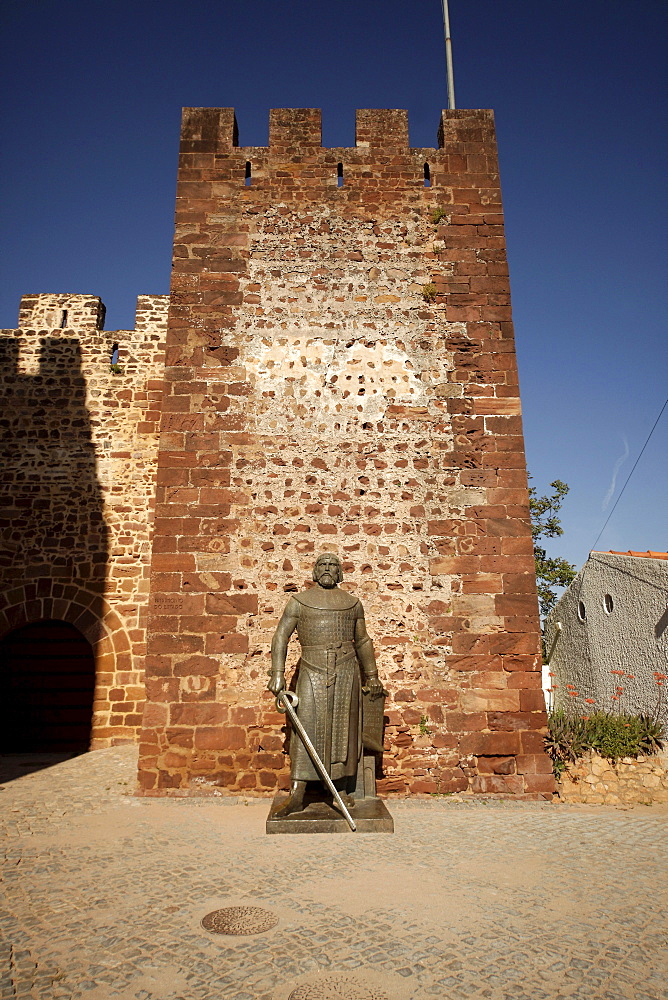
(47, 672)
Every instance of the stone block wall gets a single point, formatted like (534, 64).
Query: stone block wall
(78, 453)
(340, 375)
(593, 780)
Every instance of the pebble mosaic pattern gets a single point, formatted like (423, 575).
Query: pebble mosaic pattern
(337, 988)
(239, 920)
(104, 893)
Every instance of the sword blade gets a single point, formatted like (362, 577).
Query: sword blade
(313, 754)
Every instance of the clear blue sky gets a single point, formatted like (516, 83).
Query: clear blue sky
(91, 107)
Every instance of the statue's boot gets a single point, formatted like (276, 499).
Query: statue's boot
(294, 801)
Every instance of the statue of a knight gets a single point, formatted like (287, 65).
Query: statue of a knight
(337, 659)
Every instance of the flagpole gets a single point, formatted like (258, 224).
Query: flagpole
(448, 55)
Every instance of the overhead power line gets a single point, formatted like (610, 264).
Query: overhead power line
(630, 474)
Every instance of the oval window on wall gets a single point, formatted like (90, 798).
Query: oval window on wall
(608, 604)
(582, 611)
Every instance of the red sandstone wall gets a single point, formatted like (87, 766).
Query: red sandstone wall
(78, 455)
(340, 374)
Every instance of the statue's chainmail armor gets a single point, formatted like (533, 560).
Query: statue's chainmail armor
(328, 686)
(323, 628)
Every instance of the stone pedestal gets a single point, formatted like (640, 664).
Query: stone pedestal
(318, 816)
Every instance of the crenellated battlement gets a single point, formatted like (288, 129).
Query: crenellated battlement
(292, 130)
(381, 129)
(62, 311)
(56, 327)
(151, 311)
(297, 169)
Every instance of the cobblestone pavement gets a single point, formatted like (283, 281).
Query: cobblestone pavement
(103, 895)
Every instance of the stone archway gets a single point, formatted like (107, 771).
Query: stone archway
(48, 678)
(102, 629)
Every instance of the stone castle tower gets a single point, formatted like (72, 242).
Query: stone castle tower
(339, 374)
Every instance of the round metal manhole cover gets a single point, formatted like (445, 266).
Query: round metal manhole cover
(337, 988)
(239, 920)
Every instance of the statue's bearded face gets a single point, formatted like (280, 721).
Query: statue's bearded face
(327, 571)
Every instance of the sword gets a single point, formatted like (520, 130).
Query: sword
(287, 701)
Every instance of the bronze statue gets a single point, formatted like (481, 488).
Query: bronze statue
(334, 646)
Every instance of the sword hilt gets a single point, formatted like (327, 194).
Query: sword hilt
(290, 696)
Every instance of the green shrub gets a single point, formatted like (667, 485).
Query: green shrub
(612, 736)
(437, 215)
(565, 740)
(429, 292)
(652, 734)
(424, 726)
(115, 369)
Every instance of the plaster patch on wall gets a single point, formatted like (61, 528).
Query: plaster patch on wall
(340, 383)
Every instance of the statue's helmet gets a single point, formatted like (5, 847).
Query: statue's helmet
(331, 557)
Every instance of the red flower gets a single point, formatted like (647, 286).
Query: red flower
(631, 677)
(590, 701)
(620, 673)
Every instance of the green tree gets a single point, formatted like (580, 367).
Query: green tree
(551, 574)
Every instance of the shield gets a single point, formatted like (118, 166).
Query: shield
(373, 711)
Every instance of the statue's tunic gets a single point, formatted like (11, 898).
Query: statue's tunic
(328, 685)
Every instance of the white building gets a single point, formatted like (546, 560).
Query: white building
(607, 638)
